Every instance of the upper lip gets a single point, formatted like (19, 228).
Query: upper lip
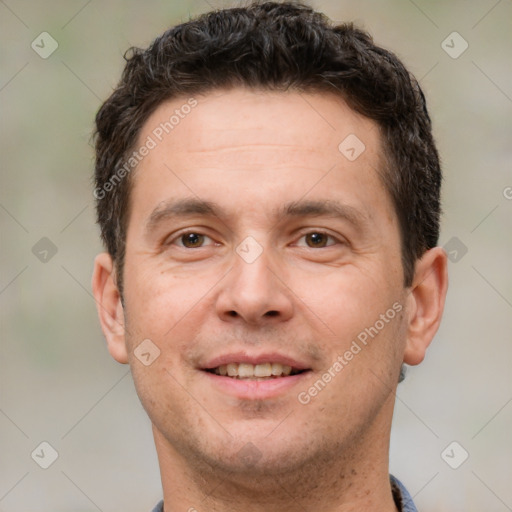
(244, 357)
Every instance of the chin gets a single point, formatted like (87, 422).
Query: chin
(259, 456)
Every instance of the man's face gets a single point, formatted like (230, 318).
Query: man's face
(263, 275)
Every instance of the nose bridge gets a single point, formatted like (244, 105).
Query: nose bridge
(253, 272)
(253, 291)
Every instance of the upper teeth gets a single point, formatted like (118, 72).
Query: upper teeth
(244, 370)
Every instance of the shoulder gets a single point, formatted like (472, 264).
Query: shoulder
(159, 507)
(401, 495)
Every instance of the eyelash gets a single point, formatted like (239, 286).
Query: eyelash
(316, 232)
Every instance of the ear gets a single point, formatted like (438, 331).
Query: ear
(109, 306)
(426, 303)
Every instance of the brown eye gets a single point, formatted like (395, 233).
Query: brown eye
(316, 239)
(192, 240)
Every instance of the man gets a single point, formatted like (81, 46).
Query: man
(268, 192)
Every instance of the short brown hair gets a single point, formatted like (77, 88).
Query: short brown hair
(274, 46)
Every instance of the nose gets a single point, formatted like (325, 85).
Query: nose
(255, 293)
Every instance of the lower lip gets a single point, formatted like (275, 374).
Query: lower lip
(255, 389)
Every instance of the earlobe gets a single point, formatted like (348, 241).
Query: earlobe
(108, 304)
(426, 303)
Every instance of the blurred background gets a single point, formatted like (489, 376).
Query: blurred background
(451, 443)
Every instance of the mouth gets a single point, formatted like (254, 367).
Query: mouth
(260, 377)
(257, 372)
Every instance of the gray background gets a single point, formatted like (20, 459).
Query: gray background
(58, 382)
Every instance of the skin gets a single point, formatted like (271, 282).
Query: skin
(251, 152)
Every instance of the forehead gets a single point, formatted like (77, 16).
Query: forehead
(228, 120)
(241, 144)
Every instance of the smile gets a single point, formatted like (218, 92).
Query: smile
(255, 377)
(255, 371)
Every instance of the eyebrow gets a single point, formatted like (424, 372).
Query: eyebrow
(168, 210)
(326, 208)
(181, 208)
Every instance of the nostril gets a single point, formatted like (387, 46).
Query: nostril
(272, 313)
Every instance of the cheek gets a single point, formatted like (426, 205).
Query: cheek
(173, 312)
(365, 317)
(347, 300)
(158, 301)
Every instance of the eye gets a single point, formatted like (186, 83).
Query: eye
(190, 240)
(318, 239)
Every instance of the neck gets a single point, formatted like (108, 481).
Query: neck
(347, 479)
